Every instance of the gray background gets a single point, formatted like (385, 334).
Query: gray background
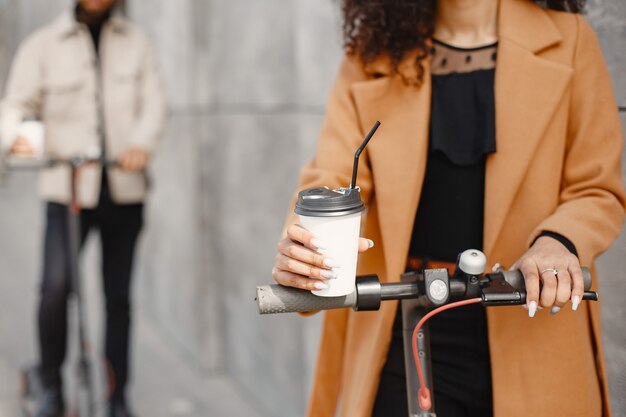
(247, 82)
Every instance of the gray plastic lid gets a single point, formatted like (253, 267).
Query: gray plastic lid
(322, 202)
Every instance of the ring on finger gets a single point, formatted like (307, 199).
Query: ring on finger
(553, 270)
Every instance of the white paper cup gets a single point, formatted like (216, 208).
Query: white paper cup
(33, 131)
(334, 218)
(341, 235)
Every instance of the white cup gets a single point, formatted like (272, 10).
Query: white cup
(341, 236)
(334, 218)
(33, 131)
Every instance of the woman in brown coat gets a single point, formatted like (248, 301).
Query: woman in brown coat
(499, 131)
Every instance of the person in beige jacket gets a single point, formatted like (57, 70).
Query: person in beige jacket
(550, 199)
(92, 79)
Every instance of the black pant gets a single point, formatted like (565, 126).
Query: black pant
(119, 227)
(460, 361)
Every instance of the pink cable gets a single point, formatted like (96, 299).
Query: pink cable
(423, 395)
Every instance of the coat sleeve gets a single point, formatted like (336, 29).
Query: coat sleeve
(592, 201)
(149, 125)
(24, 90)
(340, 136)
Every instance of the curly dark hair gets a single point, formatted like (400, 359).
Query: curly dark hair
(372, 28)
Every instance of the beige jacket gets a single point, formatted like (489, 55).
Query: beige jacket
(557, 167)
(56, 77)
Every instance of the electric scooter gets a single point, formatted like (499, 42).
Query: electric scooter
(422, 294)
(84, 395)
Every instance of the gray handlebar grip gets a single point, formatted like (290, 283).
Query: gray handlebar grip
(516, 279)
(273, 299)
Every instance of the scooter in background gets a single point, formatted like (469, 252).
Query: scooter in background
(84, 395)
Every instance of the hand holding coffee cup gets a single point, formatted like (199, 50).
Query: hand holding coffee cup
(22, 147)
(300, 263)
(30, 140)
(320, 254)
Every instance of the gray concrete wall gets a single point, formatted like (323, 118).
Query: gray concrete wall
(247, 82)
(245, 109)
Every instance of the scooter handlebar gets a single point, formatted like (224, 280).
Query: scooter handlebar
(28, 163)
(276, 298)
(272, 299)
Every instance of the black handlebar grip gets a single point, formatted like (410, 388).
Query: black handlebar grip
(516, 279)
(275, 298)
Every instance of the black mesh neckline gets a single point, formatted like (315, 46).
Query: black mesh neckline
(462, 124)
(463, 49)
(448, 59)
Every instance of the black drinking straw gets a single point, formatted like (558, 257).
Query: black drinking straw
(357, 154)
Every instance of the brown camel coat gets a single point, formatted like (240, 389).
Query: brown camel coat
(557, 167)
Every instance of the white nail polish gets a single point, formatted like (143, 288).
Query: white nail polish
(320, 286)
(555, 310)
(575, 302)
(532, 309)
(328, 274)
(370, 243)
(331, 263)
(318, 244)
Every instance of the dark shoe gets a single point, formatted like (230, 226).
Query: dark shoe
(118, 408)
(50, 403)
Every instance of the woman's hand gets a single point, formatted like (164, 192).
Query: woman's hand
(539, 264)
(298, 264)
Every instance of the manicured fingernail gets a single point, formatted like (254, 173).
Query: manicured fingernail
(555, 310)
(370, 243)
(320, 285)
(331, 263)
(318, 243)
(328, 274)
(575, 302)
(532, 309)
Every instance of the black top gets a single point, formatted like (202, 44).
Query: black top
(449, 219)
(95, 24)
(450, 216)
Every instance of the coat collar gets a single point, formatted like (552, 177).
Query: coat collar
(66, 24)
(527, 25)
(528, 89)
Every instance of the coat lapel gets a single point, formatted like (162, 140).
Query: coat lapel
(528, 89)
(397, 155)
